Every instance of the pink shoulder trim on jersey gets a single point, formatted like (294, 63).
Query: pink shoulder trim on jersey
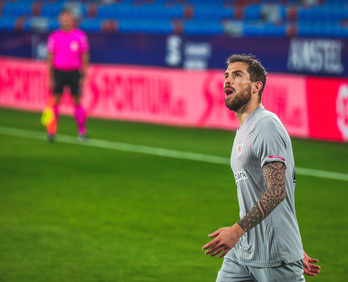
(277, 157)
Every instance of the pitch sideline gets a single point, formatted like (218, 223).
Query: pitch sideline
(98, 143)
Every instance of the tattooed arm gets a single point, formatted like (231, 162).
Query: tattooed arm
(227, 238)
(274, 175)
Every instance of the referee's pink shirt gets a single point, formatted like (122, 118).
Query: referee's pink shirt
(67, 48)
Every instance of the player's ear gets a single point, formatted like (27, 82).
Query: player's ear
(257, 86)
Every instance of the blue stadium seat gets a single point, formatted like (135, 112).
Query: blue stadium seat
(211, 12)
(252, 12)
(52, 9)
(283, 12)
(156, 16)
(203, 28)
(53, 24)
(304, 30)
(264, 30)
(126, 11)
(164, 2)
(158, 12)
(203, 2)
(114, 11)
(7, 23)
(29, 2)
(91, 24)
(145, 26)
(325, 13)
(16, 8)
(310, 29)
(336, 2)
(322, 29)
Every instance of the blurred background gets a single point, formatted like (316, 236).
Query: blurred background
(136, 202)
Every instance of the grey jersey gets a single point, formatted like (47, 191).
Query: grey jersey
(262, 138)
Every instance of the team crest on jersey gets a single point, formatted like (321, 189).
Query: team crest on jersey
(240, 149)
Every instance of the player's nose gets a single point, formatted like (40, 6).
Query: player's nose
(228, 80)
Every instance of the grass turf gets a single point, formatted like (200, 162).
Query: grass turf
(77, 213)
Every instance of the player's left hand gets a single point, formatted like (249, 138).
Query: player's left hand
(82, 80)
(309, 268)
(226, 239)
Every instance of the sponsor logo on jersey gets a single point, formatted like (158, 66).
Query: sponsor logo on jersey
(277, 157)
(240, 175)
(240, 149)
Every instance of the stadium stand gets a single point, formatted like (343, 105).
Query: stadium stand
(267, 18)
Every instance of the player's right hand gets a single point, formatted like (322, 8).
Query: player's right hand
(226, 239)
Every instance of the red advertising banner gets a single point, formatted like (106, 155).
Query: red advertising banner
(328, 108)
(167, 96)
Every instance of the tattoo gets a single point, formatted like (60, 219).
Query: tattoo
(274, 176)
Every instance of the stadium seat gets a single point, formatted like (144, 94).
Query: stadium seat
(16, 8)
(211, 12)
(336, 2)
(145, 12)
(91, 24)
(7, 23)
(204, 2)
(252, 12)
(114, 11)
(145, 26)
(268, 30)
(259, 17)
(53, 24)
(52, 9)
(200, 27)
(157, 12)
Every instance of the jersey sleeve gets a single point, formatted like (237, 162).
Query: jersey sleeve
(270, 141)
(51, 43)
(84, 42)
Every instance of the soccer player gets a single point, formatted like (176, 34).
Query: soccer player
(265, 245)
(68, 58)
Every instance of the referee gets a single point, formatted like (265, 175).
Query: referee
(68, 58)
(265, 245)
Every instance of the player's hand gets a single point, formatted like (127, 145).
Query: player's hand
(226, 239)
(82, 81)
(51, 83)
(309, 268)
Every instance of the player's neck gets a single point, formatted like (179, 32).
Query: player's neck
(68, 29)
(246, 110)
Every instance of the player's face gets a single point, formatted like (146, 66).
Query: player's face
(66, 21)
(237, 86)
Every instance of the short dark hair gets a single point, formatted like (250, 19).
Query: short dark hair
(255, 69)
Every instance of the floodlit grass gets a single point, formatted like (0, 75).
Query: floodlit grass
(77, 213)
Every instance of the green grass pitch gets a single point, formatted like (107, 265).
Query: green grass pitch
(77, 213)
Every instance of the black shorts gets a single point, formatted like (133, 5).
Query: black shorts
(67, 78)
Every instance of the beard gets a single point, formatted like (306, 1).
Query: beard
(238, 100)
